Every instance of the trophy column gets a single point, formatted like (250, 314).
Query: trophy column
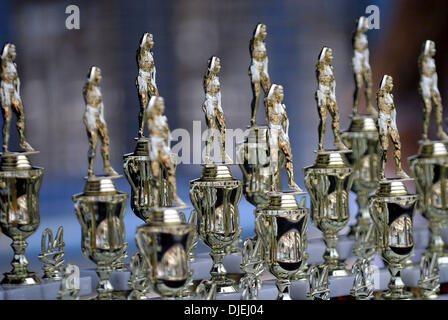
(328, 182)
(215, 196)
(430, 171)
(20, 184)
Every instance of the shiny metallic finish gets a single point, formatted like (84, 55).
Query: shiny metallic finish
(392, 211)
(138, 281)
(318, 283)
(429, 277)
(215, 197)
(100, 210)
(363, 285)
(164, 243)
(52, 254)
(430, 170)
(328, 183)
(362, 139)
(282, 226)
(19, 211)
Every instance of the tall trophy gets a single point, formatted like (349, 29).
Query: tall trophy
(20, 181)
(164, 243)
(216, 194)
(362, 135)
(392, 206)
(430, 167)
(282, 225)
(101, 207)
(329, 180)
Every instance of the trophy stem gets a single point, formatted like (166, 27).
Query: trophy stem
(20, 274)
(336, 268)
(363, 215)
(104, 288)
(396, 285)
(283, 286)
(218, 270)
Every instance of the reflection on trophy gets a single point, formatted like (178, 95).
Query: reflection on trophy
(215, 197)
(282, 226)
(429, 277)
(164, 243)
(101, 207)
(430, 167)
(20, 182)
(392, 206)
(52, 254)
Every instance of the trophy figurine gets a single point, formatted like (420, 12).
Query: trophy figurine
(52, 254)
(362, 135)
(101, 207)
(429, 277)
(430, 167)
(164, 243)
(329, 180)
(258, 69)
(282, 225)
(392, 206)
(20, 182)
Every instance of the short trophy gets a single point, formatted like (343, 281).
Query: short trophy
(363, 285)
(52, 254)
(430, 167)
(282, 225)
(216, 194)
(392, 206)
(362, 135)
(329, 180)
(101, 207)
(137, 165)
(318, 283)
(20, 182)
(164, 243)
(429, 277)
(258, 69)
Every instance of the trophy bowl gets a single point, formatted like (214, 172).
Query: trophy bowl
(100, 210)
(328, 183)
(215, 197)
(392, 211)
(164, 242)
(282, 226)
(19, 216)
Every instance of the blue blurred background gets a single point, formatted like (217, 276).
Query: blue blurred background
(53, 63)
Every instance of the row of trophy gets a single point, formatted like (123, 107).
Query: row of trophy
(166, 240)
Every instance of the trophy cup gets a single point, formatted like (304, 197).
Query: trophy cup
(164, 243)
(101, 207)
(329, 180)
(20, 182)
(362, 135)
(392, 206)
(430, 167)
(282, 226)
(52, 254)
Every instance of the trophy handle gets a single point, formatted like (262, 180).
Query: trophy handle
(194, 198)
(308, 177)
(79, 215)
(144, 253)
(128, 163)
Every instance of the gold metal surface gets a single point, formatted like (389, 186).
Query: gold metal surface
(363, 283)
(429, 277)
(52, 254)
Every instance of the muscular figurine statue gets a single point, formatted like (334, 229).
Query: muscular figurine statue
(258, 70)
(278, 123)
(146, 79)
(10, 98)
(326, 98)
(428, 89)
(159, 137)
(214, 116)
(388, 126)
(94, 121)
(361, 67)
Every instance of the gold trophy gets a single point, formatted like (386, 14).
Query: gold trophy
(362, 135)
(20, 182)
(164, 243)
(392, 206)
(430, 167)
(101, 207)
(52, 254)
(282, 225)
(329, 180)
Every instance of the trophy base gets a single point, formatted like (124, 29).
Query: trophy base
(339, 272)
(404, 295)
(20, 280)
(229, 285)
